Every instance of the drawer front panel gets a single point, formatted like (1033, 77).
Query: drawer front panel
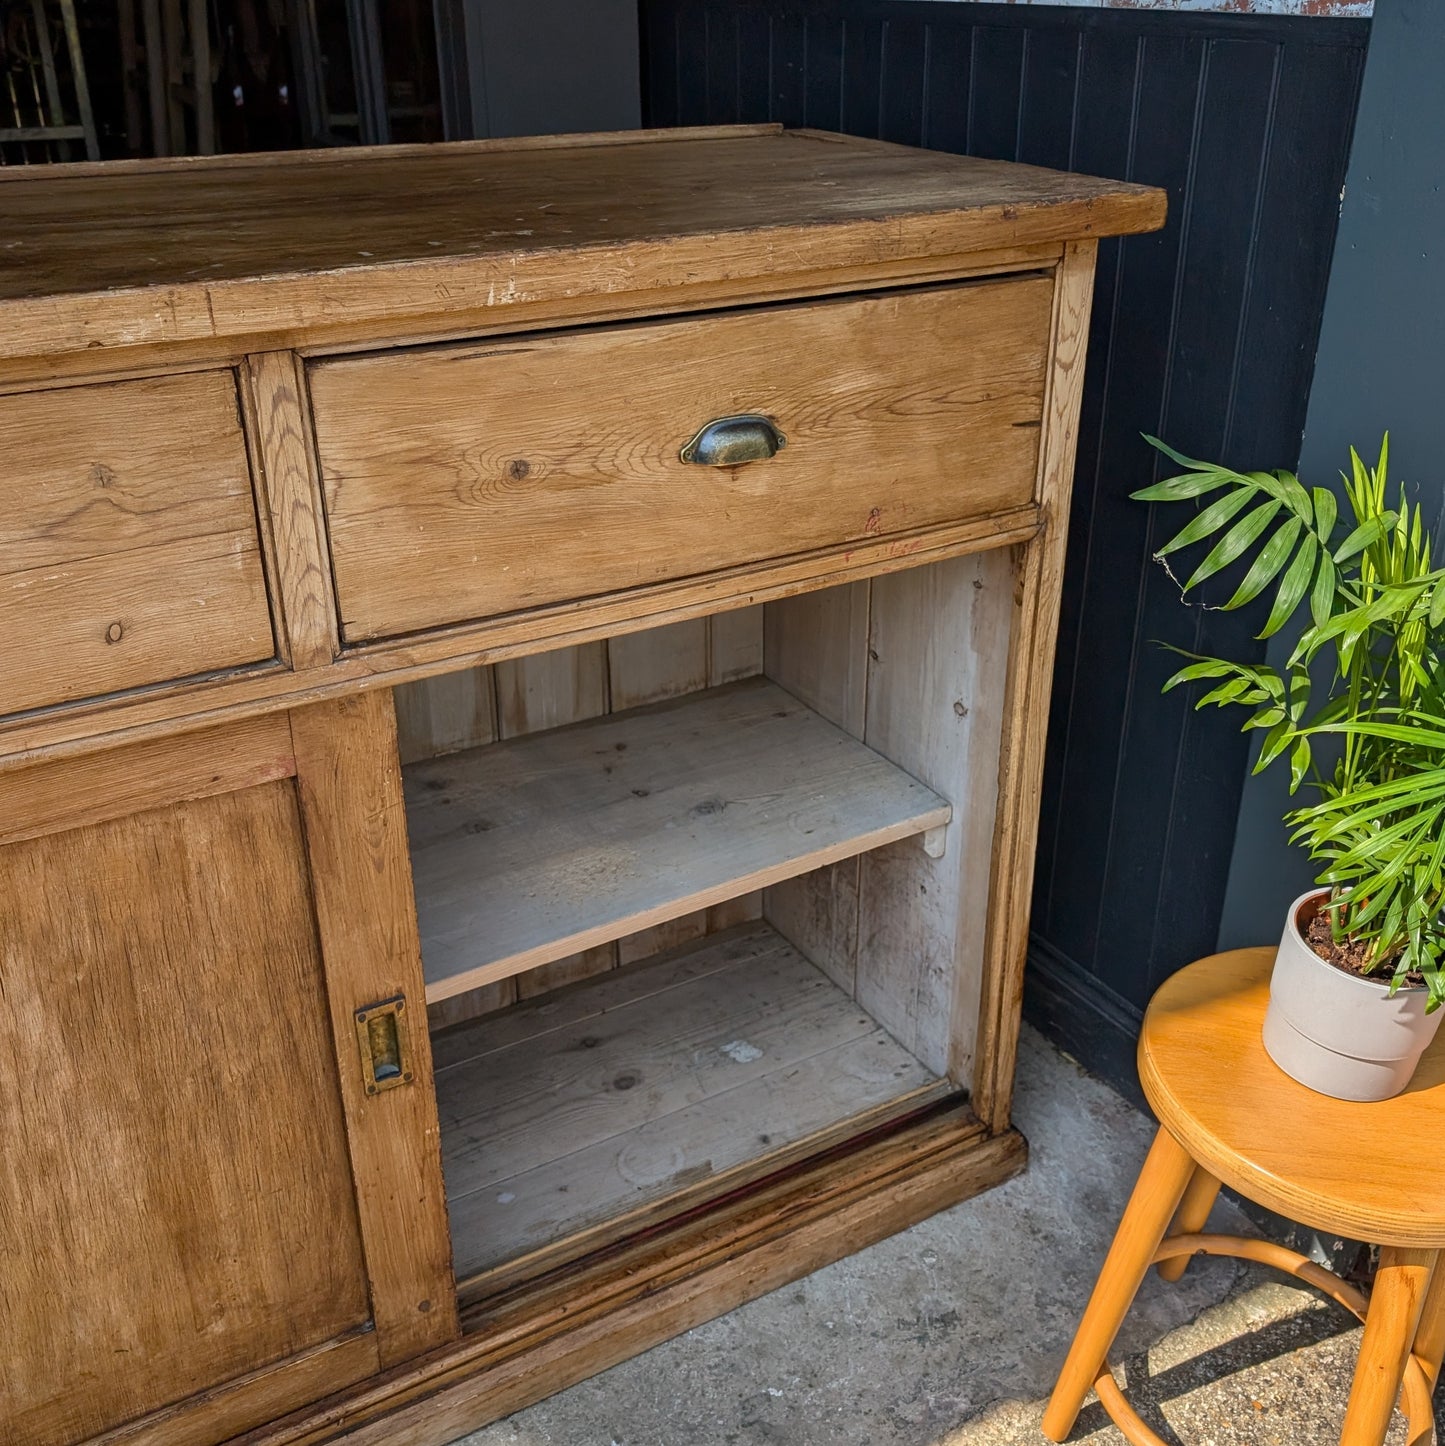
(128, 541)
(467, 481)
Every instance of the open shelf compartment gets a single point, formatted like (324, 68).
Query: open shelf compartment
(565, 1117)
(534, 849)
(711, 912)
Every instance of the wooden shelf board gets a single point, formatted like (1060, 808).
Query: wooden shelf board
(531, 850)
(577, 1108)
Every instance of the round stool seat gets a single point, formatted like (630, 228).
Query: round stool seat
(1371, 1172)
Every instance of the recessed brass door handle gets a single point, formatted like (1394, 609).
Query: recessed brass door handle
(382, 1033)
(731, 441)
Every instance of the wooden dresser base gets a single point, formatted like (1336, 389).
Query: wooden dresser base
(800, 693)
(519, 1349)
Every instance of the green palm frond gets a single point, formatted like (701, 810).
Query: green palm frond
(1355, 575)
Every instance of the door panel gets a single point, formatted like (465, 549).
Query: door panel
(187, 1239)
(175, 1167)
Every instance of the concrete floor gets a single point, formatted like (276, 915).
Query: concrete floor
(950, 1333)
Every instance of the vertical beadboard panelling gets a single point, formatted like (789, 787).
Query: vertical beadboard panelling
(1104, 142)
(1204, 333)
(1161, 791)
(864, 38)
(945, 87)
(1049, 91)
(995, 91)
(754, 51)
(790, 72)
(900, 94)
(823, 42)
(658, 42)
(1094, 689)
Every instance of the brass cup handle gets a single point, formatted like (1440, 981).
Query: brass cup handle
(731, 441)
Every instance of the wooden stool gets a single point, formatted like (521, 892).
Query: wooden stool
(1366, 1171)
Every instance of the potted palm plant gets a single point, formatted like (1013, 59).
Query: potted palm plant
(1357, 714)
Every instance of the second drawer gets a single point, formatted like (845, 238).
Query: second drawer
(471, 480)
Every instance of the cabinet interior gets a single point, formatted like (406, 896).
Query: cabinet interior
(700, 901)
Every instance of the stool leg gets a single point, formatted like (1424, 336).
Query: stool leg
(1192, 1217)
(1430, 1338)
(1391, 1322)
(1160, 1187)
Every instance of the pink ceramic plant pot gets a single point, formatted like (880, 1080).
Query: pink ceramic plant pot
(1334, 1032)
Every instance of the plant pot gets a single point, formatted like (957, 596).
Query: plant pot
(1334, 1032)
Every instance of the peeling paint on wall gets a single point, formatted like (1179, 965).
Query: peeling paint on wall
(1350, 8)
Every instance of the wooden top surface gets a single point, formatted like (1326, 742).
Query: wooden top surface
(126, 253)
(1372, 1172)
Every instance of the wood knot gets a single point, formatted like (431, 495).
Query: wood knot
(519, 469)
(114, 633)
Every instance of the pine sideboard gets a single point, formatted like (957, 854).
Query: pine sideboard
(522, 689)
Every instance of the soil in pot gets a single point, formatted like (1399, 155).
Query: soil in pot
(1347, 954)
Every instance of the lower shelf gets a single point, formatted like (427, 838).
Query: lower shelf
(582, 1107)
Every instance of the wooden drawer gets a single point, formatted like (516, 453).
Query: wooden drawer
(128, 541)
(465, 481)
